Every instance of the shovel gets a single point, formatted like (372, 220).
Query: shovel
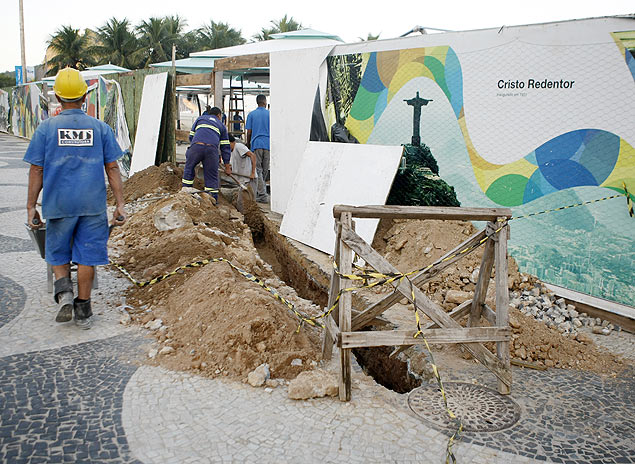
(240, 199)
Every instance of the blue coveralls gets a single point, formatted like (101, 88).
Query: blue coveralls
(206, 136)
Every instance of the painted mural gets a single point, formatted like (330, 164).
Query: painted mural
(589, 248)
(4, 111)
(112, 112)
(28, 110)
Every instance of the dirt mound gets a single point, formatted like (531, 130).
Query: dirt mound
(219, 323)
(533, 341)
(413, 244)
(213, 320)
(207, 231)
(162, 179)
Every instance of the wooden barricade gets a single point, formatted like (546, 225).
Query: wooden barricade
(444, 328)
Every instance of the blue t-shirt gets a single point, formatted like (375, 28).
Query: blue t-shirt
(72, 148)
(258, 123)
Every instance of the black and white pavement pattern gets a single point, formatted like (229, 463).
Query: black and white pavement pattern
(68, 395)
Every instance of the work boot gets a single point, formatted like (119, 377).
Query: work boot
(83, 312)
(64, 299)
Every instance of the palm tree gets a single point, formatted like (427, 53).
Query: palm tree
(219, 35)
(174, 26)
(283, 24)
(369, 37)
(117, 44)
(71, 49)
(153, 41)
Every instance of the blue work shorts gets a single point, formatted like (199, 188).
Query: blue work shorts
(82, 240)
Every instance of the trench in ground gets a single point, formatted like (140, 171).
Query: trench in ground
(286, 262)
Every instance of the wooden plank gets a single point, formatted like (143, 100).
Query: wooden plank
(432, 310)
(484, 275)
(182, 135)
(346, 267)
(366, 316)
(423, 212)
(489, 314)
(502, 308)
(331, 329)
(218, 90)
(257, 60)
(194, 79)
(328, 339)
(403, 337)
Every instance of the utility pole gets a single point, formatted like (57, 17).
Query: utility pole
(22, 43)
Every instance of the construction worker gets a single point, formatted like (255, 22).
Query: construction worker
(208, 134)
(68, 154)
(257, 127)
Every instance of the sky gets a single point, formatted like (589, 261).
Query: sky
(350, 20)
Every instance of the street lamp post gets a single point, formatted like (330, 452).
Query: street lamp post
(22, 43)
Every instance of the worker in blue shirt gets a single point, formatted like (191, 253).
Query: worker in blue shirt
(68, 155)
(208, 134)
(257, 127)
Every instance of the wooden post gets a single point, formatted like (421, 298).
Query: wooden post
(346, 267)
(502, 307)
(480, 293)
(327, 340)
(218, 89)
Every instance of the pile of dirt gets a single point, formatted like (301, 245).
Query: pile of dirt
(209, 319)
(534, 342)
(413, 244)
(219, 323)
(158, 180)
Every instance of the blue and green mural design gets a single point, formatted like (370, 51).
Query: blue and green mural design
(588, 157)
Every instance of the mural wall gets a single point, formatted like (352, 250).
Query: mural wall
(28, 109)
(529, 122)
(4, 111)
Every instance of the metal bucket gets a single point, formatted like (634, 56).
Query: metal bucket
(39, 238)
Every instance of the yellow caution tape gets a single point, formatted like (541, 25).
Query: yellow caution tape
(628, 200)
(303, 317)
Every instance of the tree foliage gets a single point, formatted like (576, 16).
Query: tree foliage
(71, 48)
(283, 24)
(117, 44)
(219, 35)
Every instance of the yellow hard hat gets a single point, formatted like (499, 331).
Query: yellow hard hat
(69, 84)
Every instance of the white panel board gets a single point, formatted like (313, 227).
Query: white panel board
(337, 173)
(294, 80)
(145, 147)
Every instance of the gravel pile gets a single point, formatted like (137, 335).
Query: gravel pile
(544, 306)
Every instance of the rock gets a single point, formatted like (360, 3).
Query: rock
(152, 353)
(154, 325)
(535, 291)
(296, 362)
(583, 338)
(521, 352)
(125, 319)
(166, 350)
(605, 323)
(259, 375)
(313, 384)
(457, 296)
(272, 383)
(268, 390)
(168, 218)
(549, 363)
(576, 323)
(261, 347)
(598, 330)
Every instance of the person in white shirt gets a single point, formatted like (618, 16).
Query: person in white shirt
(243, 163)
